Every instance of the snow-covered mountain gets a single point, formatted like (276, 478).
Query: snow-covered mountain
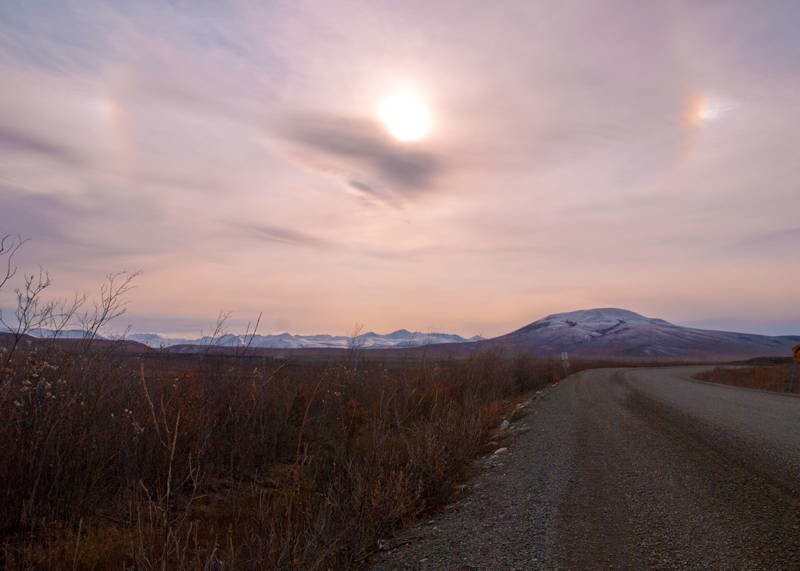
(606, 332)
(371, 340)
(64, 334)
(399, 338)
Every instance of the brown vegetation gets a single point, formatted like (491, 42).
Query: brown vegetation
(765, 377)
(112, 461)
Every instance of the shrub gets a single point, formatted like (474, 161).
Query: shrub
(146, 462)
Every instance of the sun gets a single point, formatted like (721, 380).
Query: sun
(405, 116)
(705, 109)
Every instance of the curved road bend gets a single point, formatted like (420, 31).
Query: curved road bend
(629, 468)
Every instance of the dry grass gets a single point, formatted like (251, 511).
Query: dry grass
(764, 377)
(111, 462)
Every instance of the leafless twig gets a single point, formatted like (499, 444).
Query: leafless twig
(249, 336)
(32, 312)
(9, 245)
(111, 304)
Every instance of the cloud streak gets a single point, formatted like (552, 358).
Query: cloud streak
(282, 235)
(366, 150)
(14, 141)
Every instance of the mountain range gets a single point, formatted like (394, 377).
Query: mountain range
(604, 333)
(371, 340)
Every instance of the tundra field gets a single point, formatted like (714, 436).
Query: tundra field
(173, 461)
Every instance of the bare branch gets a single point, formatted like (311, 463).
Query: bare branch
(354, 344)
(64, 312)
(9, 245)
(31, 312)
(219, 330)
(249, 336)
(111, 304)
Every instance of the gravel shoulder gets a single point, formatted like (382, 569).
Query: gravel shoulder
(628, 468)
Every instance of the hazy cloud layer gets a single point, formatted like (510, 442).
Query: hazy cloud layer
(621, 153)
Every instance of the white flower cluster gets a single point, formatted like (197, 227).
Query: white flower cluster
(128, 414)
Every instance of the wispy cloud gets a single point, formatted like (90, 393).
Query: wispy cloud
(282, 235)
(363, 187)
(366, 151)
(15, 141)
(765, 244)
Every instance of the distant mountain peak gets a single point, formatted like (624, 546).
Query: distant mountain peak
(611, 331)
(400, 334)
(599, 319)
(599, 314)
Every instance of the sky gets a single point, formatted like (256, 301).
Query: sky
(642, 155)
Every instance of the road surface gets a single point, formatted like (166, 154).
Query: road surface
(629, 468)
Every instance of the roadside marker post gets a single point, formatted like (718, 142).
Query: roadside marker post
(793, 374)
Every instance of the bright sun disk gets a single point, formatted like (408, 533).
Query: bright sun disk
(405, 116)
(705, 109)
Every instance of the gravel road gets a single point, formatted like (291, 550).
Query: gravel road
(628, 468)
